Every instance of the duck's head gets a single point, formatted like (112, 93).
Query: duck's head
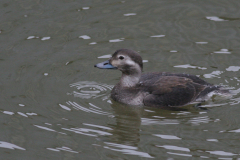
(125, 60)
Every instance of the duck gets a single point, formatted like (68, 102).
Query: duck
(155, 89)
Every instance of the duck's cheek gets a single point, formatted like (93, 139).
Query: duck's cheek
(115, 63)
(130, 62)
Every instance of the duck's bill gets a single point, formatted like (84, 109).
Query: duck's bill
(105, 65)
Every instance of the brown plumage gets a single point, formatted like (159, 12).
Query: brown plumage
(157, 89)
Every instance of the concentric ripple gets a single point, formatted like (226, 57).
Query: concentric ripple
(87, 90)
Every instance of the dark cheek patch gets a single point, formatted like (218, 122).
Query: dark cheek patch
(126, 69)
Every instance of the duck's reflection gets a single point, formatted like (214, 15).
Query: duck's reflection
(129, 119)
(127, 125)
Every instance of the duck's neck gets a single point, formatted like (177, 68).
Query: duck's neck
(130, 80)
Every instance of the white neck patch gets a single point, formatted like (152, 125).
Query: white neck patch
(129, 80)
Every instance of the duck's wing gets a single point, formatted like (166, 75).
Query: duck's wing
(171, 91)
(194, 78)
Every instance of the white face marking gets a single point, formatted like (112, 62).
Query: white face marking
(130, 62)
(123, 60)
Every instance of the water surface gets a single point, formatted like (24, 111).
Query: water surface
(55, 105)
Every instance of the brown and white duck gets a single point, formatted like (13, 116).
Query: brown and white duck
(156, 89)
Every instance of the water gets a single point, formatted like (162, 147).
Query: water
(55, 105)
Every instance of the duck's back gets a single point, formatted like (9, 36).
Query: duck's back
(154, 76)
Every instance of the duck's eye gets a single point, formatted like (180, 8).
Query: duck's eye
(121, 57)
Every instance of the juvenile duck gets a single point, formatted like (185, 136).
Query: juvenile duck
(157, 89)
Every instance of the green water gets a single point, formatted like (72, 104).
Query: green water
(55, 105)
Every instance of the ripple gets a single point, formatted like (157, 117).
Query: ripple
(213, 74)
(85, 37)
(212, 140)
(125, 149)
(158, 36)
(130, 14)
(63, 148)
(180, 154)
(215, 18)
(87, 90)
(170, 147)
(22, 114)
(190, 66)
(201, 42)
(88, 132)
(85, 8)
(96, 110)
(221, 153)
(236, 131)
(8, 112)
(92, 43)
(45, 38)
(31, 114)
(167, 136)
(48, 129)
(234, 101)
(64, 107)
(148, 121)
(198, 120)
(233, 68)
(116, 40)
(223, 51)
(98, 126)
(10, 146)
(45, 128)
(32, 37)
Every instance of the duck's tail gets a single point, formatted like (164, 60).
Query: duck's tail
(211, 91)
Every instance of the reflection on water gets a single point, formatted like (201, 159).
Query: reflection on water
(10, 146)
(150, 121)
(48, 129)
(190, 66)
(116, 40)
(198, 120)
(223, 51)
(85, 131)
(215, 18)
(89, 109)
(126, 150)
(47, 45)
(85, 37)
(221, 153)
(123, 133)
(158, 36)
(175, 148)
(167, 136)
(213, 74)
(63, 148)
(129, 14)
(234, 69)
